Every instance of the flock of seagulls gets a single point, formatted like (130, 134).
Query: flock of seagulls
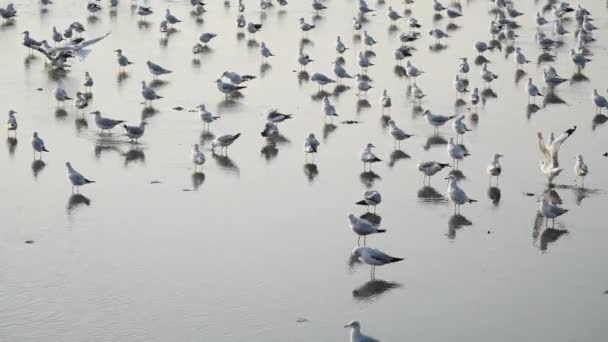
(68, 46)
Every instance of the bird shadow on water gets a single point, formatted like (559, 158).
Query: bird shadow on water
(363, 104)
(543, 236)
(429, 195)
(531, 108)
(264, 68)
(75, 201)
(158, 83)
(552, 98)
(519, 75)
(311, 171)
(434, 140)
(134, 155)
(369, 178)
(319, 95)
(328, 129)
(397, 155)
(579, 77)
(206, 136)
(37, 167)
(494, 194)
(226, 163)
(452, 27)
(269, 151)
(456, 222)
(399, 71)
(339, 89)
(148, 112)
(598, 120)
(198, 178)
(60, 114)
(11, 144)
(373, 289)
(438, 47)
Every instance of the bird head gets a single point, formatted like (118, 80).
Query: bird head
(353, 324)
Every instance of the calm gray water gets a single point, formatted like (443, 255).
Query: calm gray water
(258, 248)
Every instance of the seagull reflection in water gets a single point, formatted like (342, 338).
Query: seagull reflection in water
(373, 289)
(226, 163)
(37, 167)
(77, 200)
(311, 171)
(456, 222)
(368, 178)
(198, 178)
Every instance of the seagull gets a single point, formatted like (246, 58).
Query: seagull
(363, 84)
(550, 150)
(520, 58)
(197, 49)
(364, 61)
(475, 98)
(385, 101)
(81, 101)
(363, 227)
(452, 14)
(60, 94)
(135, 132)
(413, 24)
(29, 41)
(579, 59)
(143, 11)
(459, 127)
(540, 20)
(551, 77)
(123, 61)
(356, 335)
(464, 67)
(482, 47)
(340, 71)
(357, 24)
(241, 22)
(88, 82)
(550, 211)
(460, 85)
(456, 194)
(157, 70)
(206, 37)
(487, 75)
(197, 156)
(397, 133)
(105, 124)
(430, 168)
(224, 141)
(206, 116)
(227, 88)
(38, 145)
(412, 71)
(265, 52)
(512, 12)
(438, 34)
(436, 120)
(559, 28)
(76, 178)
(392, 14)
(438, 6)
(236, 78)
(253, 28)
(340, 47)
(148, 93)
(318, 6)
(305, 27)
(532, 90)
(170, 18)
(93, 7)
(368, 157)
(417, 92)
(580, 168)
(495, 169)
(599, 101)
(328, 108)
(363, 8)
(321, 79)
(12, 121)
(304, 59)
(311, 144)
(456, 151)
(270, 130)
(370, 198)
(368, 40)
(373, 257)
(57, 37)
(274, 116)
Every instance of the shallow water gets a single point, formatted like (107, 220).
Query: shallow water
(257, 246)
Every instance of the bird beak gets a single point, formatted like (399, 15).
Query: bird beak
(347, 325)
(446, 178)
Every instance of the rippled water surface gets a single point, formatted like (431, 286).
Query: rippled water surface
(256, 247)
